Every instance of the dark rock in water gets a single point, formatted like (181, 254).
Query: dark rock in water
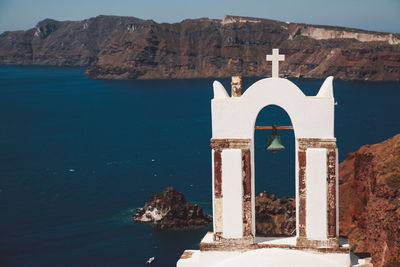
(169, 209)
(275, 216)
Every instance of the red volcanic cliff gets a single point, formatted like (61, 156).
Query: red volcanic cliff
(370, 201)
(275, 216)
(130, 48)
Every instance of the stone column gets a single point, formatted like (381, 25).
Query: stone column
(217, 205)
(246, 179)
(301, 155)
(332, 238)
(332, 192)
(218, 146)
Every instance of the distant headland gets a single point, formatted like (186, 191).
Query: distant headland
(114, 47)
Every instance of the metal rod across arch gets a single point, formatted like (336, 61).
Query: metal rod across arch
(270, 127)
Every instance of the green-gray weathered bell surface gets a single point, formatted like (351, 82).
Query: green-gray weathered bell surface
(274, 141)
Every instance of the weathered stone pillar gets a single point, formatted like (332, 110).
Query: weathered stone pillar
(329, 179)
(302, 193)
(332, 192)
(217, 205)
(246, 178)
(242, 146)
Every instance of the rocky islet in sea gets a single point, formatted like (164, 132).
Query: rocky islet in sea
(369, 205)
(169, 209)
(275, 216)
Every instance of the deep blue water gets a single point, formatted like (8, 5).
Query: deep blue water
(77, 155)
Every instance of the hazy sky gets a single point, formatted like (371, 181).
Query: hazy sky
(379, 15)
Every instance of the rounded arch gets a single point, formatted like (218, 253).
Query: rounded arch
(235, 117)
(274, 174)
(278, 122)
(276, 92)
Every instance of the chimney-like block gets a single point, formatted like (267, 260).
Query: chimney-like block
(236, 86)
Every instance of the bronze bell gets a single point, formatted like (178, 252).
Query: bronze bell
(274, 141)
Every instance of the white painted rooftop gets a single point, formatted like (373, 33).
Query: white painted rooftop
(265, 257)
(276, 240)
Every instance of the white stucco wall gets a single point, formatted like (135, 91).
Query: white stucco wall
(265, 257)
(316, 186)
(253, 189)
(311, 116)
(232, 213)
(213, 191)
(235, 117)
(286, 258)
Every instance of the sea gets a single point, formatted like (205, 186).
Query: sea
(78, 155)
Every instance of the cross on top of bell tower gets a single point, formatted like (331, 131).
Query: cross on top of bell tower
(275, 58)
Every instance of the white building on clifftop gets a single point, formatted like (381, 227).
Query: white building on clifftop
(233, 241)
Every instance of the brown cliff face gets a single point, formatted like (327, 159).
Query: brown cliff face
(130, 48)
(214, 48)
(370, 201)
(275, 216)
(67, 43)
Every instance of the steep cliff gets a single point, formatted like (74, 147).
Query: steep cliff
(68, 43)
(370, 201)
(130, 48)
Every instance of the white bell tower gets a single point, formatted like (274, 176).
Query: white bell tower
(316, 178)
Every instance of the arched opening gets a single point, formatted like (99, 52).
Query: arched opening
(275, 177)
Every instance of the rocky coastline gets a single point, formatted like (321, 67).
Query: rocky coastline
(370, 201)
(369, 208)
(275, 216)
(170, 210)
(115, 47)
(369, 211)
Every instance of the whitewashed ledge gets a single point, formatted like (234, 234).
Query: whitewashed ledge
(262, 257)
(266, 256)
